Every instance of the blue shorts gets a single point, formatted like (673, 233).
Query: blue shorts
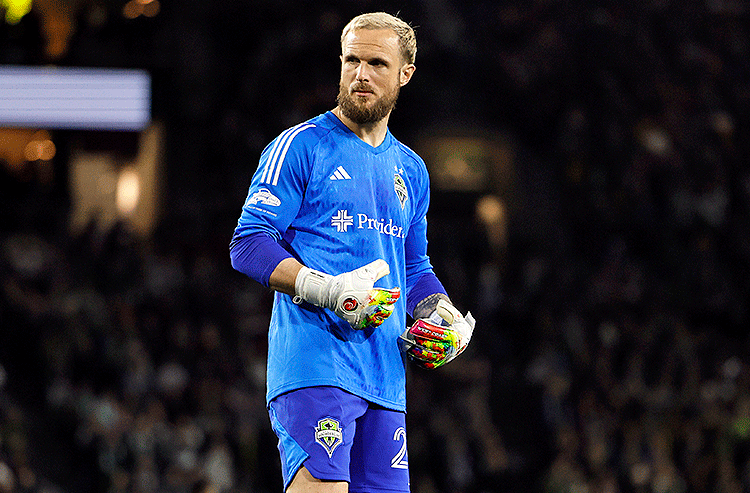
(341, 437)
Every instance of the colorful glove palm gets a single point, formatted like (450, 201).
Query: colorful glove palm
(439, 339)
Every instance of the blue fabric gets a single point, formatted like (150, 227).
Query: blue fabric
(291, 453)
(336, 203)
(257, 255)
(379, 461)
(338, 436)
(427, 285)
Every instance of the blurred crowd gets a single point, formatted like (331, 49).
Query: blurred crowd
(612, 295)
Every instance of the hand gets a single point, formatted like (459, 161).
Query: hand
(350, 295)
(435, 341)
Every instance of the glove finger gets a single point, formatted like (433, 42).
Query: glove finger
(374, 315)
(428, 331)
(409, 344)
(407, 341)
(425, 359)
(426, 365)
(424, 354)
(383, 296)
(378, 315)
(438, 347)
(379, 306)
(422, 357)
(374, 270)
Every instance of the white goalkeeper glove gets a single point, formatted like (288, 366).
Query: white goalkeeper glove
(437, 340)
(350, 295)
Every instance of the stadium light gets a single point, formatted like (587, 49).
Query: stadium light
(15, 10)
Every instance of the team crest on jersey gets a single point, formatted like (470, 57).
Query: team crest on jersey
(399, 185)
(329, 434)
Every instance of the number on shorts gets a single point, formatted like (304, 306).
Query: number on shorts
(400, 460)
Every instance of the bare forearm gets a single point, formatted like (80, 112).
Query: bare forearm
(284, 275)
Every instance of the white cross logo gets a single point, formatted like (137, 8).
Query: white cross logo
(342, 220)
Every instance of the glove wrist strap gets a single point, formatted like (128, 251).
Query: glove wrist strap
(312, 286)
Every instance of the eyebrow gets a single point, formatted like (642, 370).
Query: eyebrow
(372, 61)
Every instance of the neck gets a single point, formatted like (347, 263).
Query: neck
(371, 133)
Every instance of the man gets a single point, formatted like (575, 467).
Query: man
(337, 205)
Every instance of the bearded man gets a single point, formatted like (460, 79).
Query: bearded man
(335, 223)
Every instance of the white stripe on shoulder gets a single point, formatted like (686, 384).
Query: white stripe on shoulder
(273, 167)
(286, 148)
(275, 152)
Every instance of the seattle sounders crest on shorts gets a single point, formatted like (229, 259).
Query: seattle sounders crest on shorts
(341, 437)
(336, 203)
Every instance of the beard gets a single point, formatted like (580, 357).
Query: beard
(355, 107)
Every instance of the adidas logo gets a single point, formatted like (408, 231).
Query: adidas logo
(340, 174)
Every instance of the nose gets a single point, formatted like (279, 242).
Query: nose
(362, 72)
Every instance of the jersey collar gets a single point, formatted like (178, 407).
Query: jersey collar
(347, 131)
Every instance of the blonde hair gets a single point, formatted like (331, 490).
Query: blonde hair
(407, 40)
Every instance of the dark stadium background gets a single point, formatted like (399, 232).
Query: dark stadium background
(590, 205)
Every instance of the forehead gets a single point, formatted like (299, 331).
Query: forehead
(375, 42)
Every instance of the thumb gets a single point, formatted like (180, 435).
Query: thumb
(447, 311)
(374, 270)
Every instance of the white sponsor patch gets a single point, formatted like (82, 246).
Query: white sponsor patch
(382, 226)
(342, 220)
(265, 197)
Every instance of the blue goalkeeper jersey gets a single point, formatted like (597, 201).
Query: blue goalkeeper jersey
(336, 203)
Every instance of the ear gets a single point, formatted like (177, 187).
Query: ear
(406, 72)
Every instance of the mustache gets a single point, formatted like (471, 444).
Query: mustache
(361, 87)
